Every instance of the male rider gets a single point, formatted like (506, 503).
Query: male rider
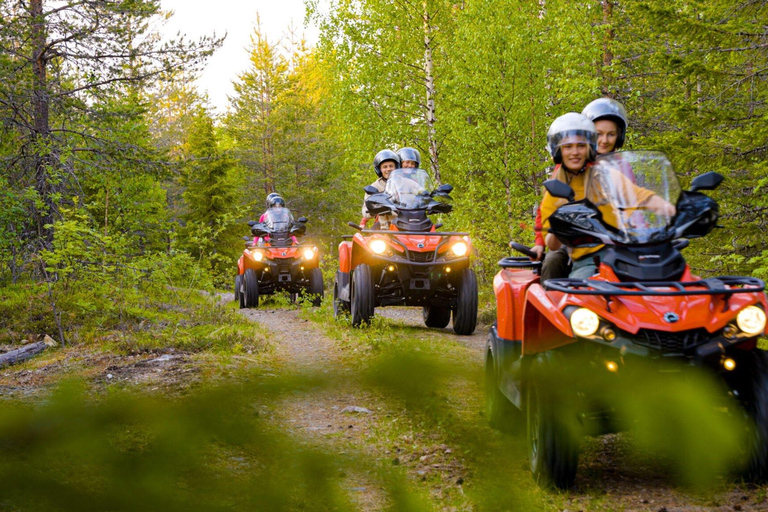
(384, 163)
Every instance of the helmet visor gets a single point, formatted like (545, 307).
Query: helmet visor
(576, 137)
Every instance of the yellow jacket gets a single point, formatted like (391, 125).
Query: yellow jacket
(580, 183)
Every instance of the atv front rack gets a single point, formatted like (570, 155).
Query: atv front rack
(724, 285)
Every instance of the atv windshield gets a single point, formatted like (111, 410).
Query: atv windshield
(409, 188)
(628, 188)
(278, 219)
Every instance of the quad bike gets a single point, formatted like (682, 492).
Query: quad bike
(409, 264)
(644, 308)
(274, 260)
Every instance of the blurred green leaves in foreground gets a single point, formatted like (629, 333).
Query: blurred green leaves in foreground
(214, 450)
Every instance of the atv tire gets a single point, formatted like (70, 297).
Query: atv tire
(465, 314)
(251, 289)
(316, 290)
(502, 414)
(753, 391)
(361, 296)
(553, 444)
(239, 297)
(339, 306)
(436, 316)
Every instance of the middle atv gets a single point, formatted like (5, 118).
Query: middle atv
(409, 264)
(275, 260)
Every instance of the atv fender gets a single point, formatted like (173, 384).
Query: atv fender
(345, 256)
(509, 287)
(240, 265)
(506, 365)
(359, 252)
(545, 326)
(342, 281)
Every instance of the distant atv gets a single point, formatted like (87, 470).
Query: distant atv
(411, 264)
(275, 261)
(644, 309)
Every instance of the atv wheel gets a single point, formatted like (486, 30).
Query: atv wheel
(552, 446)
(239, 297)
(502, 414)
(339, 306)
(361, 302)
(753, 391)
(465, 314)
(251, 289)
(435, 316)
(316, 290)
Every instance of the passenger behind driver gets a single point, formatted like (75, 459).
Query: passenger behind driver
(273, 201)
(610, 118)
(384, 163)
(409, 158)
(572, 142)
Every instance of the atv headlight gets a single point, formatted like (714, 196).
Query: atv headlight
(584, 322)
(309, 253)
(378, 246)
(459, 248)
(751, 320)
(257, 255)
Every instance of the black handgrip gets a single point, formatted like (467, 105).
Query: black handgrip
(523, 249)
(680, 243)
(353, 225)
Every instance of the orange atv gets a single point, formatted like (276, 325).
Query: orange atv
(275, 261)
(643, 308)
(409, 264)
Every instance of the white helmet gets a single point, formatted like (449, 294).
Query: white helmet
(565, 128)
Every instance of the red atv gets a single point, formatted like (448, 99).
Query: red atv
(409, 264)
(275, 261)
(643, 309)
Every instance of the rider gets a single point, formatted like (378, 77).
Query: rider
(273, 200)
(610, 118)
(384, 163)
(572, 142)
(409, 158)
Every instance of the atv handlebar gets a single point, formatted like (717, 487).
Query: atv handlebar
(523, 249)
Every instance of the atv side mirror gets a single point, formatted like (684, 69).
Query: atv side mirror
(251, 223)
(303, 220)
(370, 189)
(707, 181)
(445, 188)
(557, 188)
(247, 238)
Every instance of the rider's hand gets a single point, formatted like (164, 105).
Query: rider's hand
(539, 250)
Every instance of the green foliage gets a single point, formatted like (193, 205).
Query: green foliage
(210, 232)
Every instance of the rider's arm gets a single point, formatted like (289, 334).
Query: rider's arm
(547, 207)
(538, 246)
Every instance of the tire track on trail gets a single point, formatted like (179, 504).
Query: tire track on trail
(322, 417)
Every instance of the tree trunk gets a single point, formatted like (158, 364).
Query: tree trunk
(430, 86)
(42, 159)
(607, 42)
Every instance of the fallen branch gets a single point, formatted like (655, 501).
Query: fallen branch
(22, 354)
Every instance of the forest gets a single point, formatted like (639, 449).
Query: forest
(124, 195)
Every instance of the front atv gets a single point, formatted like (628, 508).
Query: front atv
(275, 261)
(559, 356)
(410, 264)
